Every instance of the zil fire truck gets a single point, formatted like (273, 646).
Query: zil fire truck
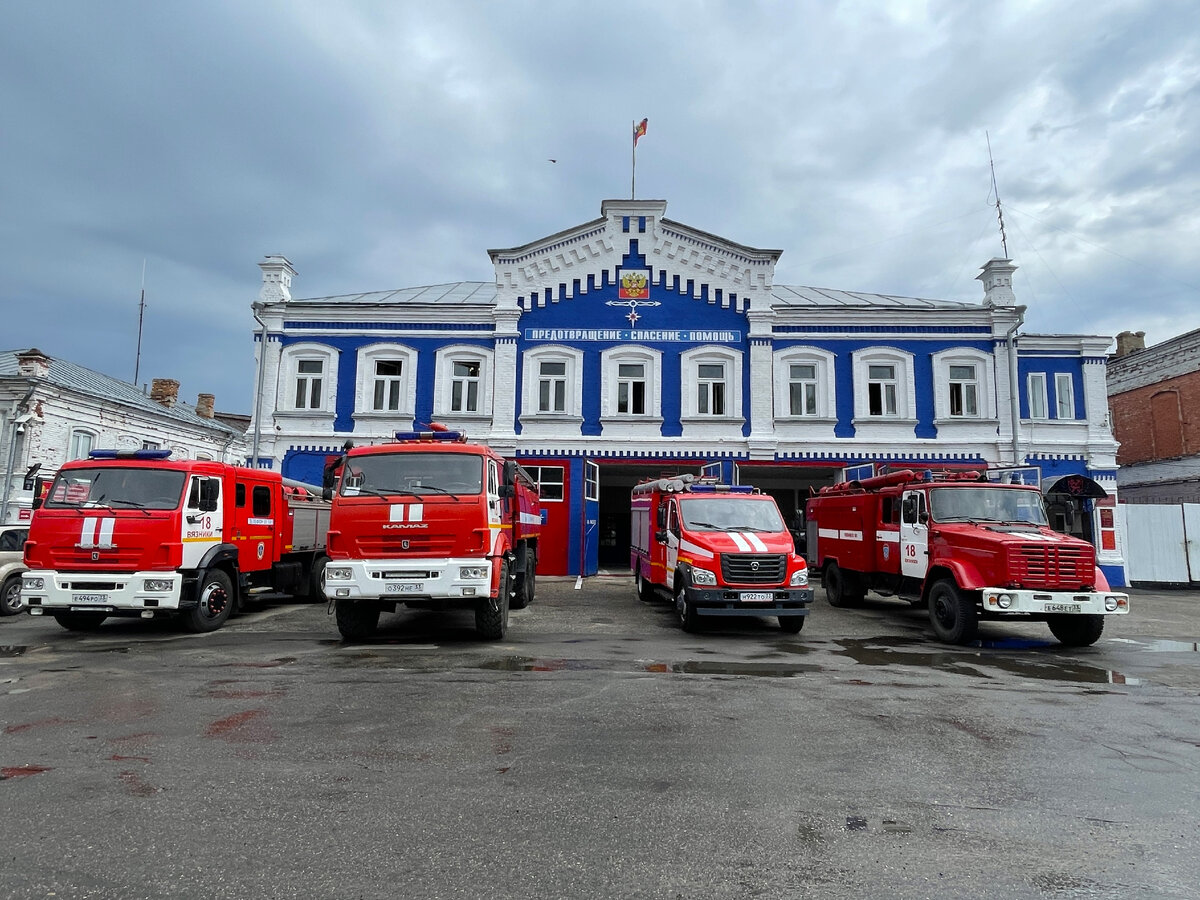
(716, 550)
(136, 534)
(969, 548)
(431, 522)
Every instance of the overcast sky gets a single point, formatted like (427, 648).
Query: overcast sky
(382, 145)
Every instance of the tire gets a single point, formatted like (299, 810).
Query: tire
(491, 616)
(689, 621)
(79, 621)
(1076, 631)
(316, 580)
(10, 596)
(645, 590)
(526, 584)
(839, 587)
(217, 601)
(791, 624)
(357, 619)
(953, 616)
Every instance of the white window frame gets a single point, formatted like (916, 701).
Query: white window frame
(531, 383)
(610, 362)
(538, 472)
(823, 363)
(984, 381)
(906, 400)
(690, 387)
(368, 356)
(293, 355)
(1035, 392)
(444, 379)
(73, 446)
(1064, 400)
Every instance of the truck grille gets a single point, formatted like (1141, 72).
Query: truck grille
(419, 544)
(1052, 566)
(753, 568)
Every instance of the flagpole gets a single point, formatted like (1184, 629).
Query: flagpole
(633, 168)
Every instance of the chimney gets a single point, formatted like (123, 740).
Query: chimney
(204, 405)
(1129, 342)
(997, 282)
(277, 275)
(164, 391)
(33, 363)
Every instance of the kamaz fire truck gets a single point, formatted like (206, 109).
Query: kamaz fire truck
(431, 522)
(136, 534)
(716, 550)
(969, 548)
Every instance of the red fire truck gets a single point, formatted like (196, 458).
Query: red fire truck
(136, 534)
(970, 548)
(432, 522)
(716, 550)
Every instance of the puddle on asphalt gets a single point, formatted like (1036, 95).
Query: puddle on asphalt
(915, 652)
(687, 667)
(10, 650)
(1162, 646)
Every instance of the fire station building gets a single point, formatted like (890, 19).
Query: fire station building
(634, 346)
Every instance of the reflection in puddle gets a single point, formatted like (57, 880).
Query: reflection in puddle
(903, 652)
(1162, 646)
(687, 667)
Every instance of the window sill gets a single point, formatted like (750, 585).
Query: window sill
(303, 414)
(383, 414)
(711, 420)
(882, 420)
(805, 420)
(964, 420)
(550, 419)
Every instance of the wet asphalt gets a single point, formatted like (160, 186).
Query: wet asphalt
(599, 751)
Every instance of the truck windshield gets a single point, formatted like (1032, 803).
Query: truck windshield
(986, 504)
(387, 474)
(117, 488)
(730, 514)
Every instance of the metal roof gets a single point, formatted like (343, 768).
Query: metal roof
(483, 293)
(110, 390)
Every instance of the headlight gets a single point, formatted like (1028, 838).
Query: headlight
(472, 573)
(799, 578)
(1110, 604)
(337, 573)
(703, 576)
(157, 585)
(1004, 601)
(33, 583)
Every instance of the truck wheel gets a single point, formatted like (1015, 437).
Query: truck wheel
(688, 619)
(953, 616)
(216, 603)
(838, 590)
(316, 580)
(1076, 631)
(526, 584)
(645, 590)
(357, 620)
(491, 616)
(10, 596)
(791, 624)
(79, 621)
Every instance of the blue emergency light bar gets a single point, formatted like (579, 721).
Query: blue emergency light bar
(452, 436)
(722, 488)
(128, 454)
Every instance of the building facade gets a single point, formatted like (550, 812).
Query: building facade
(1154, 393)
(632, 345)
(53, 411)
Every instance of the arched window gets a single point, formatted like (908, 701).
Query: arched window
(711, 386)
(309, 382)
(386, 383)
(963, 384)
(884, 388)
(804, 385)
(552, 379)
(463, 382)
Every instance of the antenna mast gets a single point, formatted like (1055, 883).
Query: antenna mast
(137, 362)
(996, 191)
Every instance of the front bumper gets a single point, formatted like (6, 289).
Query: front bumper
(407, 579)
(1052, 603)
(722, 601)
(111, 593)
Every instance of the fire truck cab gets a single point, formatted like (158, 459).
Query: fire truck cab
(716, 550)
(969, 548)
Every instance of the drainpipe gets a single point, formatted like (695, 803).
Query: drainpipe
(20, 417)
(262, 365)
(1014, 385)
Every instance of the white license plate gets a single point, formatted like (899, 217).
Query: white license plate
(90, 599)
(757, 596)
(1063, 608)
(406, 587)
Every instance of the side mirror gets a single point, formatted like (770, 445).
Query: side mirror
(327, 493)
(661, 536)
(923, 518)
(505, 491)
(37, 502)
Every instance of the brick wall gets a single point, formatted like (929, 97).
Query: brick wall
(1158, 421)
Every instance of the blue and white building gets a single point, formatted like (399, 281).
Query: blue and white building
(633, 345)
